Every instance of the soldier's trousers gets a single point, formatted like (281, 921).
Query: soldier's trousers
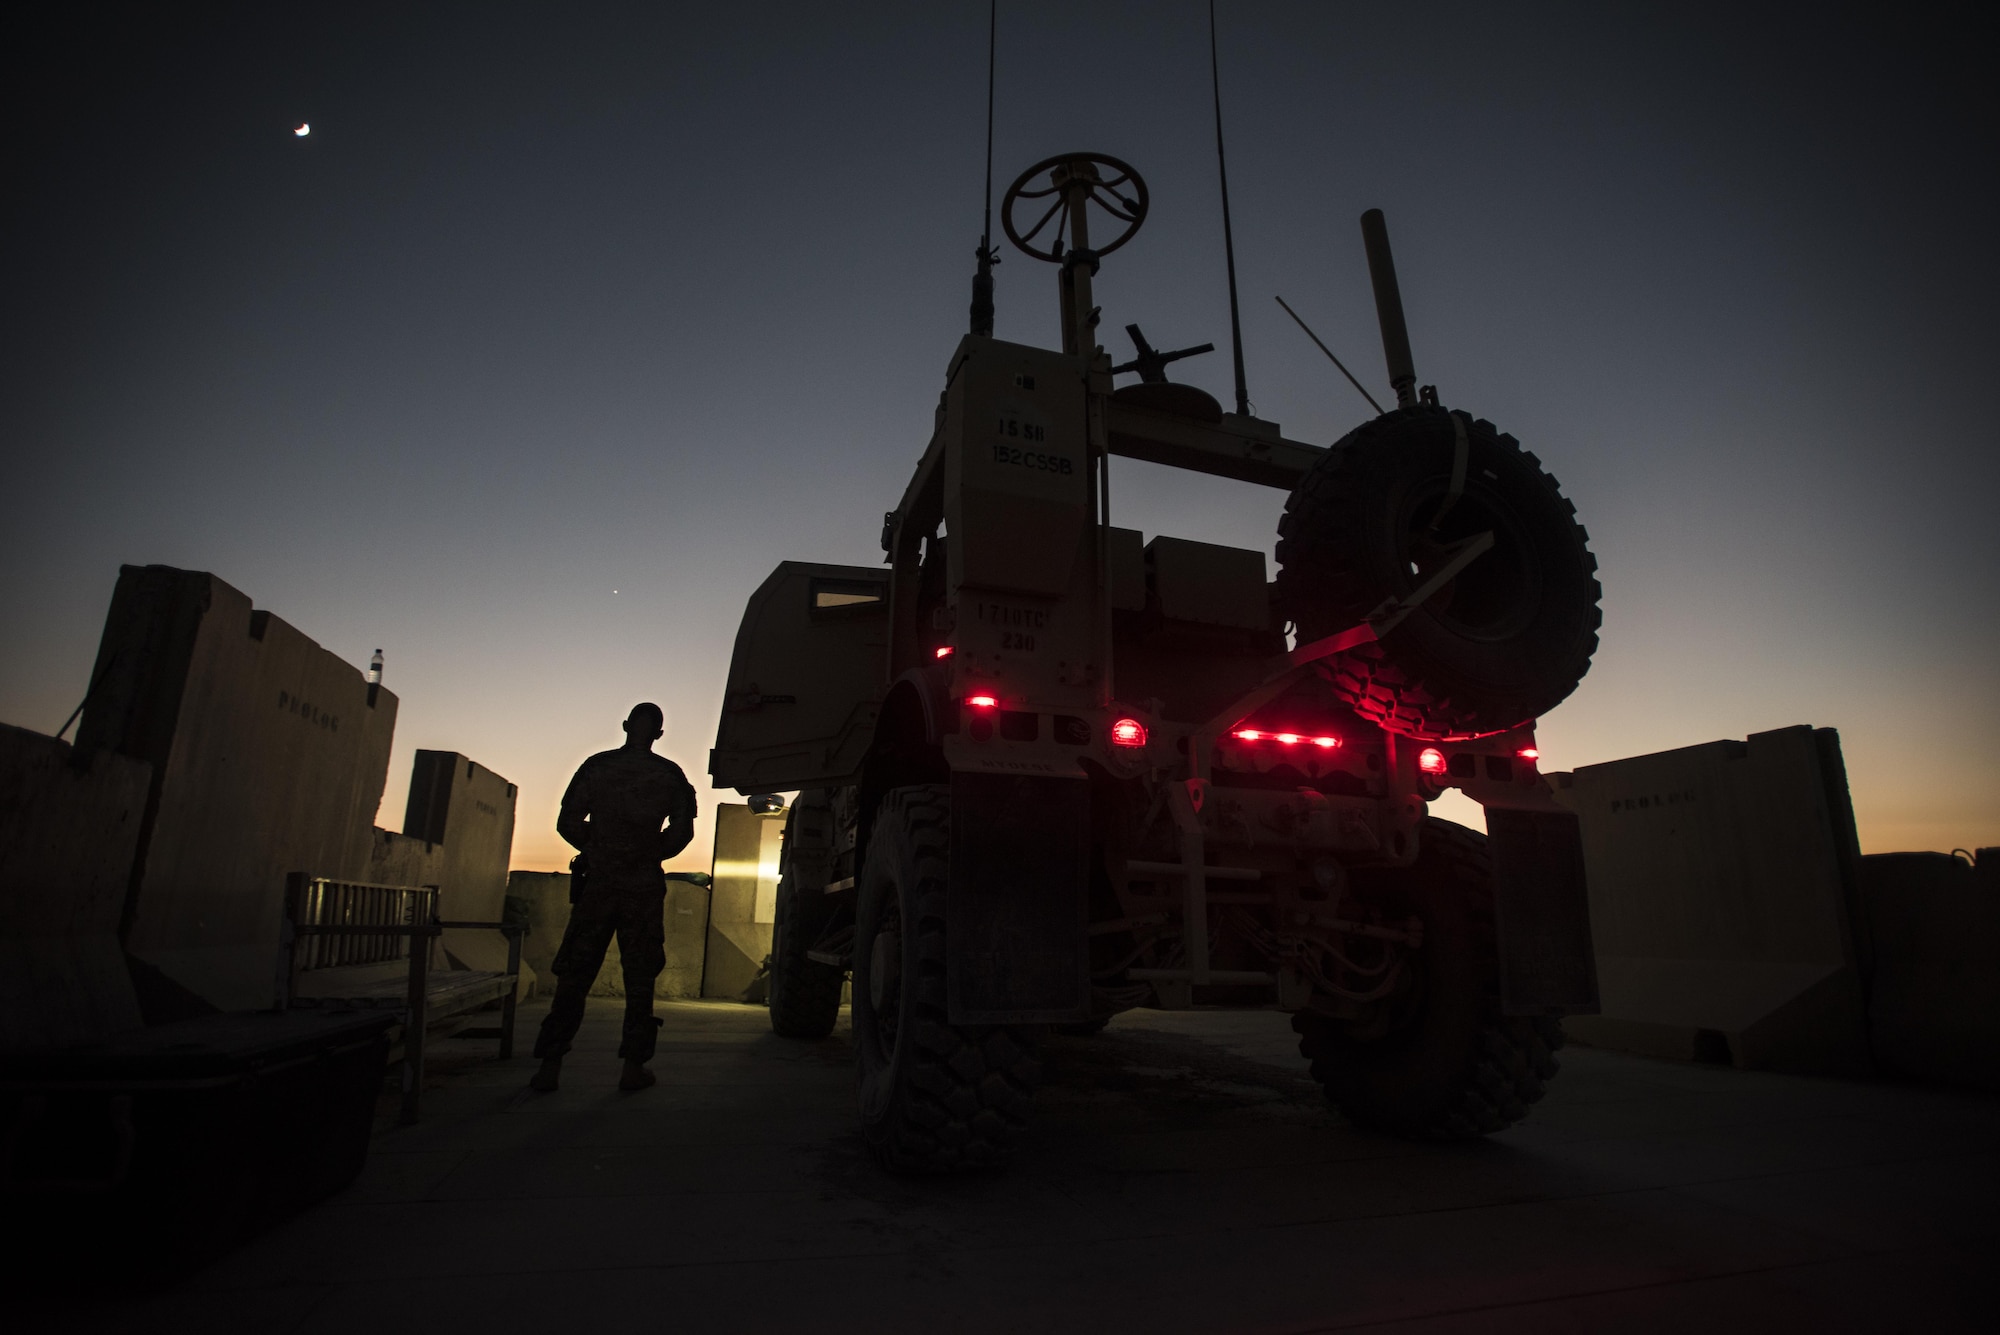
(634, 914)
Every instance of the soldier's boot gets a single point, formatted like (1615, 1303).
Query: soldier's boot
(636, 1076)
(548, 1077)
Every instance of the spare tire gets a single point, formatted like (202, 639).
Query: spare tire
(1504, 642)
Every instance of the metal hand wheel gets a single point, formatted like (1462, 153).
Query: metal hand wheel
(1076, 180)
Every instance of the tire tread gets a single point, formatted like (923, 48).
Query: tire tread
(1323, 587)
(966, 1089)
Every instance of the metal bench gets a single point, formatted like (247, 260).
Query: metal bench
(350, 945)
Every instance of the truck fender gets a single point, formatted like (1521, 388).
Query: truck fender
(922, 699)
(907, 746)
(1542, 905)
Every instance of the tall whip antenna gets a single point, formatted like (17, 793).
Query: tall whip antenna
(992, 32)
(982, 279)
(1228, 241)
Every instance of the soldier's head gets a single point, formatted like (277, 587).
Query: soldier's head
(644, 725)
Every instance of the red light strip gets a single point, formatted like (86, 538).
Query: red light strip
(1283, 738)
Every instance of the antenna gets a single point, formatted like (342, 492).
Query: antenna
(992, 32)
(1330, 357)
(982, 279)
(1228, 242)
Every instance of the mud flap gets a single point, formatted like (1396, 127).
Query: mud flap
(1016, 949)
(1547, 963)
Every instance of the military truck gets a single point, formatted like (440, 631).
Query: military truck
(1051, 770)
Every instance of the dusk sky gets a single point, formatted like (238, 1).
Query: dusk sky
(567, 322)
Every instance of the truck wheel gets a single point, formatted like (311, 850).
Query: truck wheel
(1442, 1062)
(1506, 641)
(805, 994)
(935, 1098)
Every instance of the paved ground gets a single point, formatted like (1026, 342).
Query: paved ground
(1182, 1175)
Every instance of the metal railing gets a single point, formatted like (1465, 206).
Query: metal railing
(374, 916)
(332, 924)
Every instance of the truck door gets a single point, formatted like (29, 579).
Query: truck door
(805, 680)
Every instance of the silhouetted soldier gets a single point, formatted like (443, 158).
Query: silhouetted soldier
(613, 812)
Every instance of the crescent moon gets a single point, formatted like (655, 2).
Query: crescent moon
(305, 128)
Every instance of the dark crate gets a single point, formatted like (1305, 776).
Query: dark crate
(151, 1152)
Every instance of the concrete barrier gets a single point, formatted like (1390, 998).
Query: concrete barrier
(464, 815)
(1933, 933)
(542, 899)
(1723, 889)
(69, 824)
(744, 901)
(267, 754)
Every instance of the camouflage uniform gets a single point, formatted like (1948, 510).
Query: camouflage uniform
(627, 795)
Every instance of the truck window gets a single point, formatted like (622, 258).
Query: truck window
(830, 593)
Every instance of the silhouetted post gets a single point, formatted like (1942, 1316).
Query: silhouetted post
(421, 915)
(1075, 179)
(1389, 308)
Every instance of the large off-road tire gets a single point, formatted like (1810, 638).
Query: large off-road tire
(934, 1097)
(1444, 1063)
(1504, 642)
(805, 993)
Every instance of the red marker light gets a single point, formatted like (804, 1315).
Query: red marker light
(1290, 738)
(982, 701)
(1529, 753)
(1327, 742)
(944, 651)
(1128, 732)
(1247, 735)
(1431, 760)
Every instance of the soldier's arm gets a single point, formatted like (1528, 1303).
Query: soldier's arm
(572, 821)
(680, 822)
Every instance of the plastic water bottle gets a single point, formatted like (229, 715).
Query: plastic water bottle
(375, 669)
